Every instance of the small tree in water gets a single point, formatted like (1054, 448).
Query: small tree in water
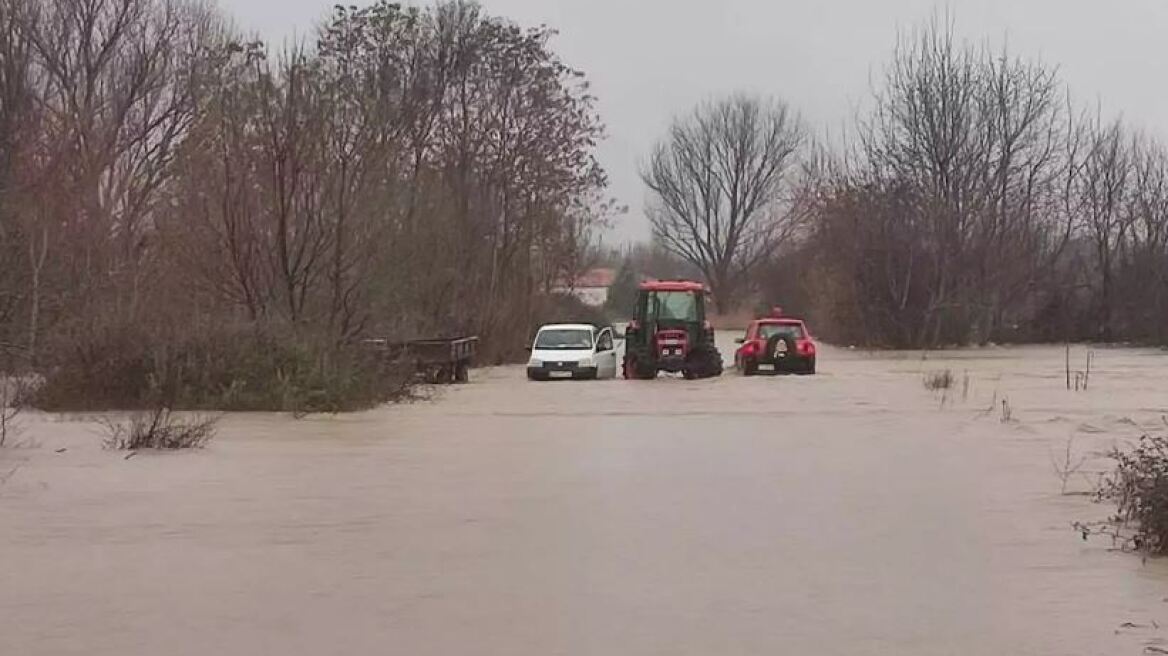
(1139, 488)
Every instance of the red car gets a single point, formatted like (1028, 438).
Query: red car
(781, 344)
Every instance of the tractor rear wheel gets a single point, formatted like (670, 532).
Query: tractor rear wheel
(634, 370)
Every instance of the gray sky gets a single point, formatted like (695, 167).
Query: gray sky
(652, 59)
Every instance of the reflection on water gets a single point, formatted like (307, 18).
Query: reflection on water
(848, 513)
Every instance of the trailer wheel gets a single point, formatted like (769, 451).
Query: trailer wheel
(462, 372)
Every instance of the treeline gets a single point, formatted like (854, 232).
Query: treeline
(978, 204)
(971, 201)
(186, 211)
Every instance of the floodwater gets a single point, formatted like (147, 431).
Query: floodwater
(852, 512)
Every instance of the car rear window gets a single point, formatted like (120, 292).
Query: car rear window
(792, 330)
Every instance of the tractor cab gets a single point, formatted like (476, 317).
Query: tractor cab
(670, 332)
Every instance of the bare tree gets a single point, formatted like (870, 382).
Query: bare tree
(114, 89)
(953, 197)
(1145, 273)
(721, 184)
(178, 201)
(1100, 192)
(16, 111)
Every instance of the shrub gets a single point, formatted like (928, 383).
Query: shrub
(1139, 488)
(15, 388)
(159, 429)
(223, 368)
(9, 409)
(938, 380)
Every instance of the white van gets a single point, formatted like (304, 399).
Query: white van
(579, 351)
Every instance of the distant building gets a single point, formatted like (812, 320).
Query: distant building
(591, 287)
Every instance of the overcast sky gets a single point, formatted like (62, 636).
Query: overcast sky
(652, 59)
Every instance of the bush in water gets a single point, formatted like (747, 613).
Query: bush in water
(1139, 488)
(221, 368)
(938, 380)
(159, 429)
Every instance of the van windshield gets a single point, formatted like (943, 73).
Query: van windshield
(564, 339)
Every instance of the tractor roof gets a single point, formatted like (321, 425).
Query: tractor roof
(672, 286)
(779, 321)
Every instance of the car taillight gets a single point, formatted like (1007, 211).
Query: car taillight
(807, 348)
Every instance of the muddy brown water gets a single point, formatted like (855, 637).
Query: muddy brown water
(849, 513)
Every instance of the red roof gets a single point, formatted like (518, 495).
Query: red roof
(672, 286)
(594, 278)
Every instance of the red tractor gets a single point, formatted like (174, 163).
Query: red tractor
(670, 332)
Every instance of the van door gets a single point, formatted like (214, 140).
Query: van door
(605, 355)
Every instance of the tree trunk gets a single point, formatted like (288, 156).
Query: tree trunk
(37, 262)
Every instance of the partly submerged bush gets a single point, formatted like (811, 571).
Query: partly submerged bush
(938, 380)
(1139, 488)
(230, 369)
(159, 429)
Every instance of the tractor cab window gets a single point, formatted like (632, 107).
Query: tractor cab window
(564, 339)
(791, 330)
(676, 306)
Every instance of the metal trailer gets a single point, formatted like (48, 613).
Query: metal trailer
(439, 361)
